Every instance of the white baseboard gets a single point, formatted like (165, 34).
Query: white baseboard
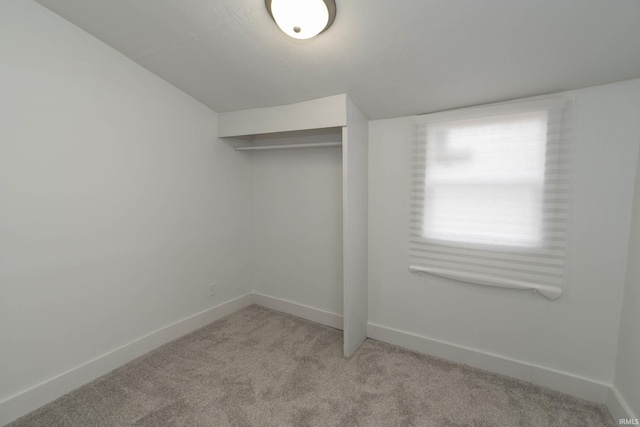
(574, 385)
(38, 395)
(618, 406)
(299, 310)
(565, 382)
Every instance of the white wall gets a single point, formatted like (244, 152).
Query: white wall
(627, 380)
(297, 221)
(577, 333)
(118, 204)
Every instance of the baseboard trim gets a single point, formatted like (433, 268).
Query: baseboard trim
(565, 382)
(40, 394)
(618, 406)
(299, 310)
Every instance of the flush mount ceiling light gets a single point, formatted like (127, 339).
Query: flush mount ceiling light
(302, 19)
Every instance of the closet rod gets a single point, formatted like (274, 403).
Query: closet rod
(283, 146)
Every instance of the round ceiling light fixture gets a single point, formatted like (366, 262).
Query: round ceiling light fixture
(302, 19)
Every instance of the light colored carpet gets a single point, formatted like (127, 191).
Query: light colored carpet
(259, 367)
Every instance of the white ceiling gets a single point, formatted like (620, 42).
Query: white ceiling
(393, 57)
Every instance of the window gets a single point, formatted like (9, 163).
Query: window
(489, 195)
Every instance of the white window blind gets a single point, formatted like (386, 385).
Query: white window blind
(489, 195)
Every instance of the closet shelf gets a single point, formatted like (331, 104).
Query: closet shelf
(284, 146)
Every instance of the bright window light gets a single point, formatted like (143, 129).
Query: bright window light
(484, 180)
(489, 195)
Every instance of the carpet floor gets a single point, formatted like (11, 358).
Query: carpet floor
(259, 367)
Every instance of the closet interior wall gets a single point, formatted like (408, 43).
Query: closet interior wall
(297, 218)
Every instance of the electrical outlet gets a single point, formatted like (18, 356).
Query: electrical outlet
(212, 289)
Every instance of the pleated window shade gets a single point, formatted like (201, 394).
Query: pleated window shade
(489, 195)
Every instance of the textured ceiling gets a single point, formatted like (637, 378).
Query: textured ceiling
(393, 58)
